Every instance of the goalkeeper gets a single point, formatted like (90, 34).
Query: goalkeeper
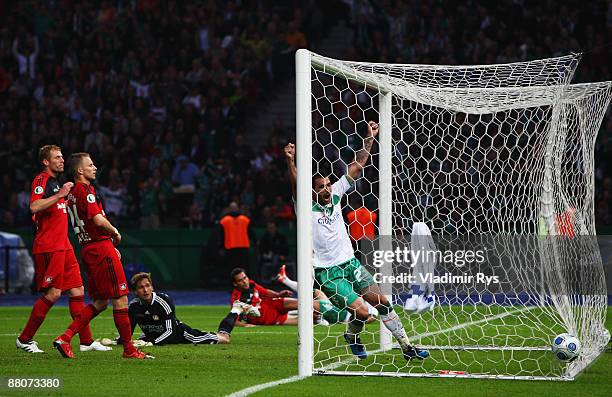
(337, 272)
(155, 314)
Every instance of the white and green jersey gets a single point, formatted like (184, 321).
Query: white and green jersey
(331, 242)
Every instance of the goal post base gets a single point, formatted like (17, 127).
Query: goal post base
(442, 375)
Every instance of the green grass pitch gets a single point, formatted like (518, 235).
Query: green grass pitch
(257, 355)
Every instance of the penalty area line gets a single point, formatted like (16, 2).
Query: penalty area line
(263, 386)
(256, 388)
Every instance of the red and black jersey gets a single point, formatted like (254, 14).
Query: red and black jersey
(83, 204)
(51, 223)
(252, 296)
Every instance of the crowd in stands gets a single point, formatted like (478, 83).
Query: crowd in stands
(477, 32)
(160, 92)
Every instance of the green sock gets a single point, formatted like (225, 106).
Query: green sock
(332, 313)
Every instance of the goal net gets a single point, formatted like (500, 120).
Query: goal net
(487, 168)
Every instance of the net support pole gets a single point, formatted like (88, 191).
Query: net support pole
(385, 201)
(304, 207)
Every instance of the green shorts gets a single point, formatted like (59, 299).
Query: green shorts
(343, 283)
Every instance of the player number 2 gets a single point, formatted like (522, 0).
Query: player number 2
(77, 223)
(357, 273)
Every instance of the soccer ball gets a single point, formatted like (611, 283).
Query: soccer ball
(566, 347)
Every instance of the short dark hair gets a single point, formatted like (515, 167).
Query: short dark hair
(75, 161)
(44, 153)
(315, 177)
(136, 278)
(236, 271)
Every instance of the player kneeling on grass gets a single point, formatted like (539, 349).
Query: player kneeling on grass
(336, 270)
(155, 314)
(324, 301)
(269, 307)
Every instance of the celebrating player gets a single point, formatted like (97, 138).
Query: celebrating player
(106, 277)
(272, 308)
(57, 269)
(337, 272)
(155, 314)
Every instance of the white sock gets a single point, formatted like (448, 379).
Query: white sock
(394, 324)
(371, 309)
(290, 283)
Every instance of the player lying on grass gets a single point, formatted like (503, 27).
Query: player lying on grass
(337, 272)
(155, 314)
(272, 308)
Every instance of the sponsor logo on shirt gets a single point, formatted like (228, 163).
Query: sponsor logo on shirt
(329, 220)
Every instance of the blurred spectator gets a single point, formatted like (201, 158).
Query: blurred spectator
(26, 58)
(273, 251)
(23, 202)
(114, 198)
(237, 237)
(184, 174)
(281, 210)
(361, 221)
(149, 205)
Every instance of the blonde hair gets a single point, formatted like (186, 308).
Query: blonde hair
(136, 278)
(44, 153)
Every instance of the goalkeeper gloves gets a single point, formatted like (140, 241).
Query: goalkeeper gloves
(141, 343)
(137, 342)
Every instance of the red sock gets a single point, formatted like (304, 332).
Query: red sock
(122, 322)
(76, 304)
(37, 316)
(81, 320)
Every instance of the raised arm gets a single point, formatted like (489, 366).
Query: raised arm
(361, 158)
(290, 156)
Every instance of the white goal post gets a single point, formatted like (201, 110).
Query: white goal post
(497, 158)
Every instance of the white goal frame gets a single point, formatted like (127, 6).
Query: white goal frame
(304, 142)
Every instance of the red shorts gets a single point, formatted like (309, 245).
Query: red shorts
(58, 269)
(272, 312)
(106, 277)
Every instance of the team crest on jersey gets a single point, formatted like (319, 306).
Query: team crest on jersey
(91, 198)
(155, 317)
(38, 190)
(122, 287)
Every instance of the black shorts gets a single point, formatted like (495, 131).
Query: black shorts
(197, 337)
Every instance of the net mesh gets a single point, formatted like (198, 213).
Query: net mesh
(498, 157)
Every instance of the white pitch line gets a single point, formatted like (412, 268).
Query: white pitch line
(254, 389)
